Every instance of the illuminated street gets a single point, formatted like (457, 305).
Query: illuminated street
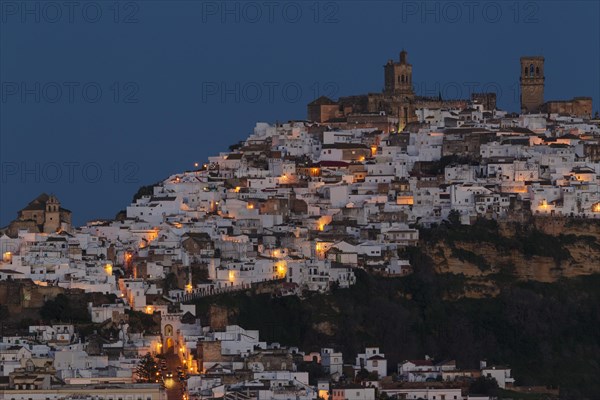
(173, 386)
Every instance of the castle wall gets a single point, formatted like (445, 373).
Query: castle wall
(579, 106)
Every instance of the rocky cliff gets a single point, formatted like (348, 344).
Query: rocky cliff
(490, 253)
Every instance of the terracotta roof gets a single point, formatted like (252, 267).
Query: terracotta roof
(323, 100)
(39, 203)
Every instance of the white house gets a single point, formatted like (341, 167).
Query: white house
(502, 375)
(373, 361)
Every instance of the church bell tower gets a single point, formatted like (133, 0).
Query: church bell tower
(398, 77)
(532, 84)
(52, 215)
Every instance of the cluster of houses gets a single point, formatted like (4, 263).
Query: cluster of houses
(306, 204)
(52, 362)
(300, 206)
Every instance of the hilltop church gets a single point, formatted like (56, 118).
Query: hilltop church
(532, 93)
(398, 99)
(394, 108)
(42, 215)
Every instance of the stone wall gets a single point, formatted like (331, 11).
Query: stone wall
(22, 296)
(579, 107)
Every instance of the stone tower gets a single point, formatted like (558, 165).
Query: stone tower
(398, 77)
(52, 215)
(399, 89)
(532, 84)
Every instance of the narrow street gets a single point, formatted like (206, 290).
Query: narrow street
(173, 386)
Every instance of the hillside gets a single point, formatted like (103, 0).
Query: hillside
(539, 249)
(489, 305)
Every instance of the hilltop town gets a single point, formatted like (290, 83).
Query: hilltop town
(297, 209)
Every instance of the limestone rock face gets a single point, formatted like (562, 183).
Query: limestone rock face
(575, 245)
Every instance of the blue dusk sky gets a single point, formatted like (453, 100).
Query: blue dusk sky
(98, 98)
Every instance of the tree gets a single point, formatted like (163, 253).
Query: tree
(236, 146)
(147, 370)
(142, 322)
(63, 308)
(315, 371)
(4, 314)
(454, 217)
(484, 385)
(147, 190)
(364, 375)
(199, 273)
(170, 282)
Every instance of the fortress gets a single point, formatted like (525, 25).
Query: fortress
(532, 93)
(398, 99)
(395, 106)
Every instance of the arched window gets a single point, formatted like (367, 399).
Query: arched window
(531, 70)
(537, 71)
(402, 79)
